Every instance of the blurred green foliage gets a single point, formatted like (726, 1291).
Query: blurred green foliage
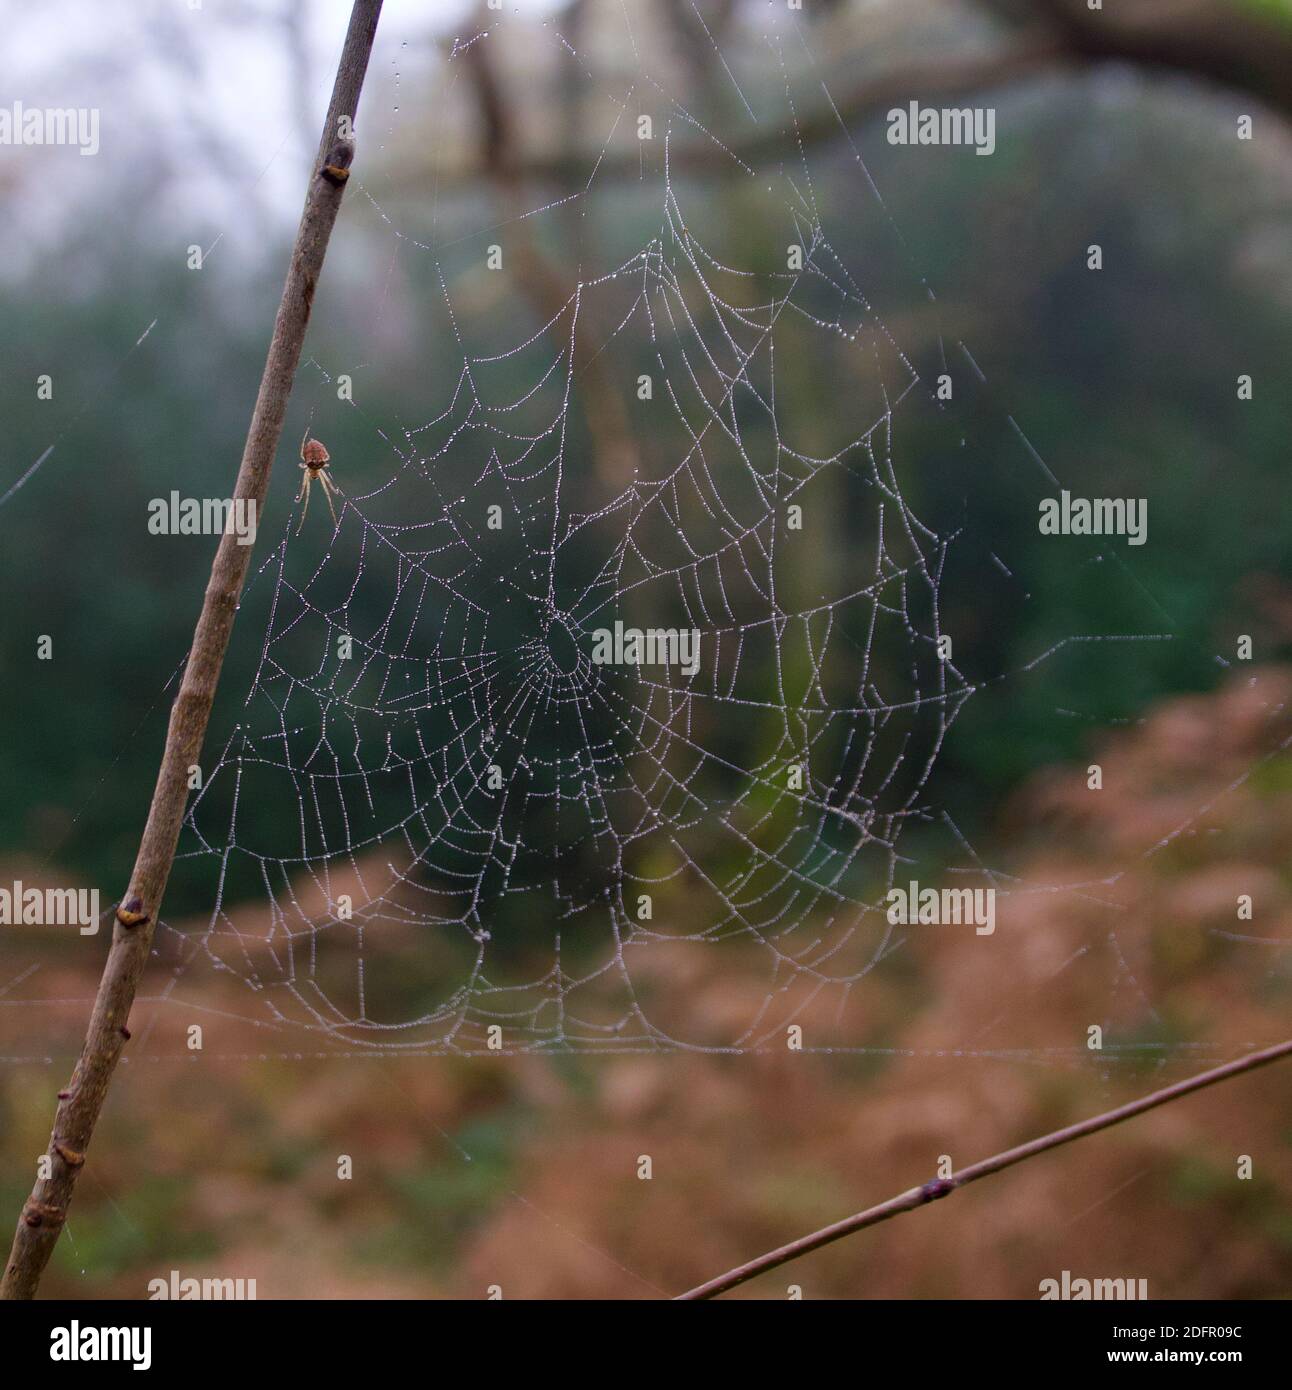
(1123, 379)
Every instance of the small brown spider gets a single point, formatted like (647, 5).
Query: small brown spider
(314, 462)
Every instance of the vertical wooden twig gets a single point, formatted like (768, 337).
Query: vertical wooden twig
(79, 1105)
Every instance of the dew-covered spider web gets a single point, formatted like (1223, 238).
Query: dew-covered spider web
(461, 781)
(562, 428)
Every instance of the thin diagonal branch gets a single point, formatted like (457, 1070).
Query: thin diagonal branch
(943, 1187)
(45, 1211)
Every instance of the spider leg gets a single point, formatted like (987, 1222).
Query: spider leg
(328, 485)
(305, 492)
(305, 482)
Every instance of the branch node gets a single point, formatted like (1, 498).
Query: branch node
(132, 914)
(68, 1155)
(939, 1187)
(43, 1214)
(336, 167)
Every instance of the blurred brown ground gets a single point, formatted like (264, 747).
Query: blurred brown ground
(521, 1171)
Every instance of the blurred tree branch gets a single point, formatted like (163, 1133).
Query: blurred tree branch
(575, 169)
(1219, 43)
(613, 446)
(697, 39)
(1216, 40)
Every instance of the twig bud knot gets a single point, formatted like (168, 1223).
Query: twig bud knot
(132, 914)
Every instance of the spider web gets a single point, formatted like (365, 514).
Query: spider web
(466, 785)
(483, 839)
